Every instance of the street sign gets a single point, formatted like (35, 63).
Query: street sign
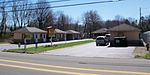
(51, 32)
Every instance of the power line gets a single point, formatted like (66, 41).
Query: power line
(42, 3)
(89, 3)
(71, 5)
(11, 1)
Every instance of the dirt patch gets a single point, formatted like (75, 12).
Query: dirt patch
(140, 52)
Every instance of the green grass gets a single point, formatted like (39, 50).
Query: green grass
(40, 49)
(147, 56)
(4, 42)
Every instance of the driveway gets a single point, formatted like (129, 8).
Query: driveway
(91, 50)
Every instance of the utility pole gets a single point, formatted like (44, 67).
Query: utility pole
(141, 19)
(140, 15)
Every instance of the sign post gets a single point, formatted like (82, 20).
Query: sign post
(19, 45)
(25, 41)
(36, 43)
(50, 31)
(36, 40)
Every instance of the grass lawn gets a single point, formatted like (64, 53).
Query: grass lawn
(4, 42)
(40, 49)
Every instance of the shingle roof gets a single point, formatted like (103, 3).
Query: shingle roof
(124, 27)
(59, 31)
(72, 32)
(30, 30)
(102, 30)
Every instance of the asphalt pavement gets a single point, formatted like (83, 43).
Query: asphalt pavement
(86, 50)
(37, 64)
(76, 62)
(91, 50)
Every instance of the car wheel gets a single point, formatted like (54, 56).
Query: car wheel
(96, 44)
(106, 44)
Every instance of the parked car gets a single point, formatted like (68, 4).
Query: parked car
(100, 40)
(107, 36)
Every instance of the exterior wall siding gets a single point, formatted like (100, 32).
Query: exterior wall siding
(17, 36)
(20, 36)
(129, 35)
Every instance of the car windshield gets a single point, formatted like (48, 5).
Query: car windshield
(107, 35)
(100, 38)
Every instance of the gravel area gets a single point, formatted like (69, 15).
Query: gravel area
(139, 52)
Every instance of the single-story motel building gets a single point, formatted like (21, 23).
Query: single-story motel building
(131, 33)
(72, 35)
(34, 35)
(29, 33)
(100, 32)
(59, 35)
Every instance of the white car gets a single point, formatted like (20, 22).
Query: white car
(100, 40)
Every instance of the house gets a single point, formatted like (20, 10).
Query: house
(130, 32)
(100, 32)
(72, 35)
(29, 35)
(60, 35)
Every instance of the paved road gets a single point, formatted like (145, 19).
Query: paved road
(37, 64)
(90, 50)
(15, 46)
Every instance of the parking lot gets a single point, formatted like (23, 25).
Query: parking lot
(91, 50)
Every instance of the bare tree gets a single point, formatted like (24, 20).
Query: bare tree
(92, 21)
(20, 17)
(119, 18)
(76, 26)
(132, 21)
(145, 23)
(129, 21)
(64, 22)
(43, 15)
(4, 17)
(14, 15)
